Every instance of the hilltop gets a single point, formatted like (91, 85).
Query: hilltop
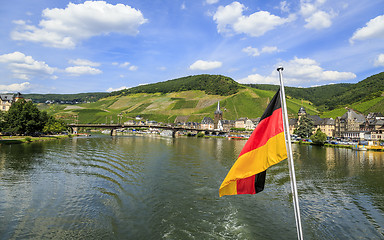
(210, 84)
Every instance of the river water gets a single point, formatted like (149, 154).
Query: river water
(135, 187)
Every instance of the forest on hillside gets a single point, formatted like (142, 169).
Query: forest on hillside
(211, 84)
(67, 98)
(329, 97)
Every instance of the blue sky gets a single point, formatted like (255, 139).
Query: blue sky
(56, 46)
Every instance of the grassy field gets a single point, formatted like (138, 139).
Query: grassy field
(6, 140)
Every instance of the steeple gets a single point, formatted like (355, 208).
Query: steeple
(218, 116)
(218, 111)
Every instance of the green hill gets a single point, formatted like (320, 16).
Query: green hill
(73, 98)
(194, 105)
(196, 97)
(329, 97)
(210, 84)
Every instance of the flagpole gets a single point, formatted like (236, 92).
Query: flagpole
(290, 157)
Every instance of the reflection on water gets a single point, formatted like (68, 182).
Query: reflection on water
(106, 187)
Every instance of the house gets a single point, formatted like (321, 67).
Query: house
(293, 123)
(249, 125)
(327, 126)
(194, 125)
(6, 101)
(349, 122)
(226, 125)
(378, 134)
(207, 123)
(130, 122)
(151, 123)
(373, 122)
(240, 123)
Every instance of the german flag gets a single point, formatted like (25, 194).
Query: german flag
(264, 148)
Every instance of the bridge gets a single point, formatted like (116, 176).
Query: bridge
(113, 127)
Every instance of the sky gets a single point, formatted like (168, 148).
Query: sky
(59, 46)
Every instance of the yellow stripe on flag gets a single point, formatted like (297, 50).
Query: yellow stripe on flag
(254, 162)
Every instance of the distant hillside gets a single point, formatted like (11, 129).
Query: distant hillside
(333, 96)
(165, 107)
(370, 88)
(210, 84)
(195, 97)
(79, 97)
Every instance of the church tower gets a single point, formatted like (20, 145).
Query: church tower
(218, 116)
(301, 113)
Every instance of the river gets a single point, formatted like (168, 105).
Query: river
(135, 187)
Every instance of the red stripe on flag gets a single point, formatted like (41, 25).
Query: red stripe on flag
(267, 128)
(246, 185)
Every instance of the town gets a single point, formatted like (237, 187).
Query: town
(351, 127)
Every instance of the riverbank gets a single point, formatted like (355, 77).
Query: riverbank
(368, 148)
(6, 140)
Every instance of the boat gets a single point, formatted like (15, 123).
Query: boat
(166, 133)
(359, 148)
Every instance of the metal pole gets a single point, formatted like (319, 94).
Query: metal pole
(290, 157)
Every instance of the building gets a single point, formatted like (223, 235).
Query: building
(226, 125)
(6, 100)
(207, 123)
(326, 125)
(349, 122)
(378, 134)
(240, 123)
(373, 122)
(218, 116)
(301, 113)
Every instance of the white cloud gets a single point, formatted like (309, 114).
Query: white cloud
(230, 20)
(125, 64)
(257, 78)
(183, 6)
(284, 6)
(211, 1)
(255, 52)
(15, 87)
(315, 18)
(65, 28)
(81, 70)
(83, 62)
(133, 68)
(25, 67)
(374, 29)
(301, 71)
(379, 61)
(205, 65)
(116, 89)
(319, 20)
(269, 49)
(307, 8)
(251, 51)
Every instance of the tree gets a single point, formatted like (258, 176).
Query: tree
(2, 120)
(24, 118)
(305, 128)
(54, 126)
(319, 137)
